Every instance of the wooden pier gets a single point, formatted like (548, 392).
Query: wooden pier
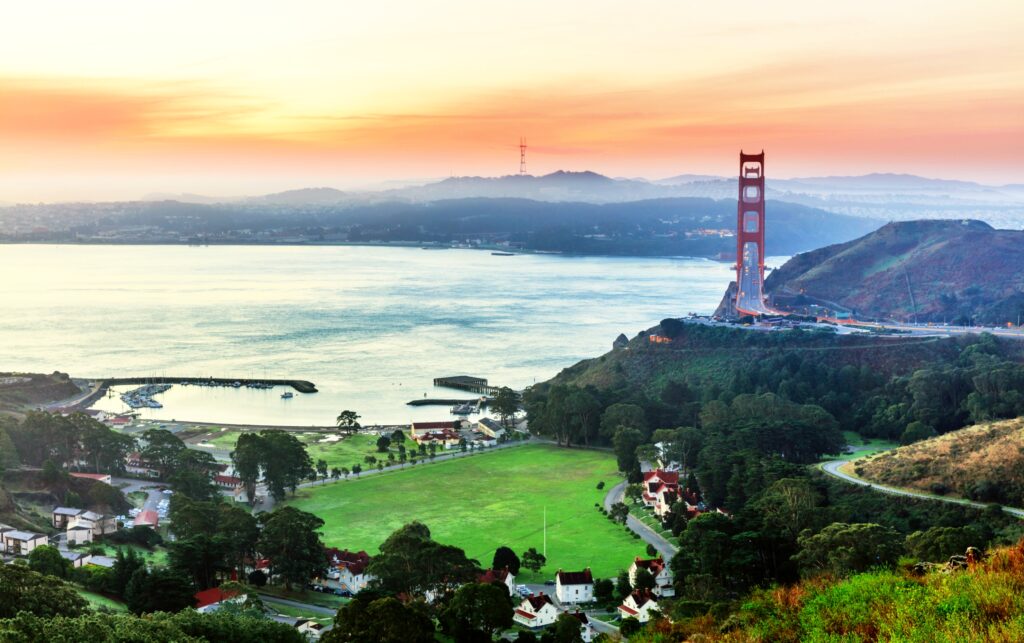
(466, 383)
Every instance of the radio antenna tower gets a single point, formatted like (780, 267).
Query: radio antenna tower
(522, 155)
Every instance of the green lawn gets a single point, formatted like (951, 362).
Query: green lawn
(343, 453)
(98, 600)
(862, 447)
(156, 556)
(484, 501)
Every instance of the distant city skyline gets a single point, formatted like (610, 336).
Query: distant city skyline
(116, 99)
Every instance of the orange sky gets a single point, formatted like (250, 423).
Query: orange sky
(119, 99)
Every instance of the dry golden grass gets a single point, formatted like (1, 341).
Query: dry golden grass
(956, 462)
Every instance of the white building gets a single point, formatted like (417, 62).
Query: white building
(21, 543)
(99, 523)
(490, 427)
(76, 559)
(79, 535)
(574, 587)
(639, 605)
(536, 611)
(663, 579)
(61, 515)
(587, 631)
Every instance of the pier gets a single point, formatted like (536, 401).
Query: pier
(466, 383)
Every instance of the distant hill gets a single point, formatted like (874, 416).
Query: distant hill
(304, 196)
(923, 270)
(984, 462)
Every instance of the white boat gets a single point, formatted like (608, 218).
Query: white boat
(287, 395)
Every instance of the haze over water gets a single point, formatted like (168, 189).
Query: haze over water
(371, 326)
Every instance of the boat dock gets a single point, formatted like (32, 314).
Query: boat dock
(302, 386)
(466, 383)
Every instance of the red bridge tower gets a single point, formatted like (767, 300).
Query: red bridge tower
(750, 236)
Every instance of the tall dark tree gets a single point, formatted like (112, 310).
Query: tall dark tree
(382, 620)
(412, 563)
(291, 541)
(505, 404)
(476, 612)
(533, 560)
(505, 558)
(159, 590)
(248, 460)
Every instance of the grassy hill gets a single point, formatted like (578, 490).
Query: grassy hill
(20, 391)
(482, 502)
(984, 602)
(928, 270)
(984, 462)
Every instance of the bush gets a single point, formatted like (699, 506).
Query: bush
(257, 578)
(600, 485)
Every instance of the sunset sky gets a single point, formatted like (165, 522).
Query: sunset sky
(105, 99)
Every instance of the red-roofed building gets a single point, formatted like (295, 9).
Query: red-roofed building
(147, 518)
(136, 466)
(503, 576)
(346, 571)
(574, 587)
(447, 438)
(535, 611)
(663, 579)
(639, 605)
(212, 596)
(227, 482)
(419, 428)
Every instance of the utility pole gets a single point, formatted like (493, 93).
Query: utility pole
(545, 532)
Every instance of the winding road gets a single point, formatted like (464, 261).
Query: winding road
(832, 468)
(651, 537)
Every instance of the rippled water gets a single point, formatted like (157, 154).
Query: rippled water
(371, 326)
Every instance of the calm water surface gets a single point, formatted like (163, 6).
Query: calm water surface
(370, 326)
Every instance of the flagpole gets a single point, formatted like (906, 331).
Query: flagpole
(545, 532)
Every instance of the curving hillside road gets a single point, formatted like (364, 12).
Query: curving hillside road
(664, 547)
(832, 469)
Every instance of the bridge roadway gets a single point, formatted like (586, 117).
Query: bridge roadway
(750, 289)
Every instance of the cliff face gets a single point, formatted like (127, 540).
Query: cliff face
(923, 270)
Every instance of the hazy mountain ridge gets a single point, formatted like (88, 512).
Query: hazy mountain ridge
(657, 227)
(923, 270)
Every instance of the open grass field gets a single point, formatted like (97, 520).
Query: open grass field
(341, 453)
(482, 502)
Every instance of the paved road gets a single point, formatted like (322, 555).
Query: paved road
(664, 547)
(287, 602)
(832, 469)
(153, 495)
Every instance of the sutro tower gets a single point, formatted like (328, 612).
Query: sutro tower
(522, 155)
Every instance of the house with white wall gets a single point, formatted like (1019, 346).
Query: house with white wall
(536, 611)
(574, 587)
(663, 579)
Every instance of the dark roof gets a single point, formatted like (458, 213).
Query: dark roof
(653, 565)
(576, 578)
(448, 424)
(539, 601)
(493, 575)
(354, 562)
(580, 616)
